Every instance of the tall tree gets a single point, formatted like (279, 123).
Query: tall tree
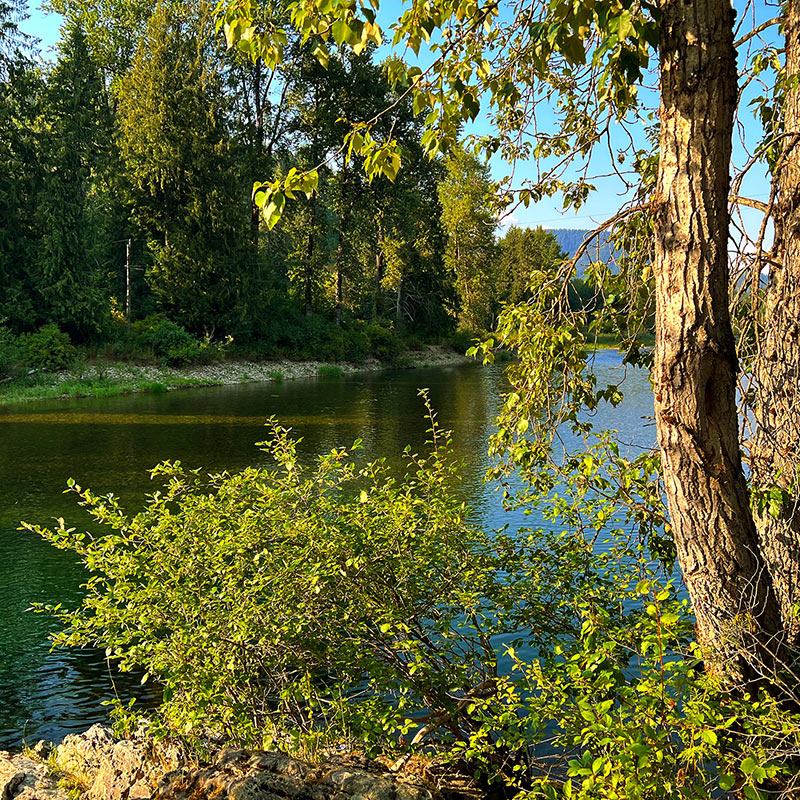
(75, 146)
(521, 253)
(177, 160)
(694, 377)
(471, 254)
(21, 89)
(775, 459)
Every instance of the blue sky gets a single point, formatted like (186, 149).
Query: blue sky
(601, 205)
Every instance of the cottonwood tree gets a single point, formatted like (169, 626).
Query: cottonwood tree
(589, 61)
(470, 225)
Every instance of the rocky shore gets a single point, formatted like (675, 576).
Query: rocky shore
(231, 372)
(97, 766)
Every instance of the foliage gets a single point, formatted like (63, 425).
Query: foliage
(171, 343)
(467, 218)
(9, 351)
(71, 286)
(48, 349)
(330, 371)
(283, 602)
(521, 254)
(384, 343)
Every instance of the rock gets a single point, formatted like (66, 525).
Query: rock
(10, 778)
(42, 749)
(24, 778)
(116, 769)
(245, 775)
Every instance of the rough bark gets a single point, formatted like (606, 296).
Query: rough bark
(774, 451)
(695, 360)
(308, 281)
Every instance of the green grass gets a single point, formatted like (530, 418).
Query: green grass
(330, 371)
(610, 341)
(43, 387)
(276, 375)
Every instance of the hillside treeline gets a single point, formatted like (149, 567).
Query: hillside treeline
(126, 172)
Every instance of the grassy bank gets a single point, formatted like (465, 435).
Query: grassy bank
(105, 379)
(49, 385)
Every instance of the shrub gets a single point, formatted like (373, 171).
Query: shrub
(309, 602)
(48, 349)
(414, 343)
(172, 343)
(384, 343)
(461, 341)
(9, 352)
(330, 371)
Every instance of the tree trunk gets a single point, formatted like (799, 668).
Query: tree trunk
(774, 451)
(258, 103)
(379, 271)
(398, 305)
(339, 281)
(695, 360)
(309, 276)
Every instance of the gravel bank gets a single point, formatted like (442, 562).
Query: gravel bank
(230, 372)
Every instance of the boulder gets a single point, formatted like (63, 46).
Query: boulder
(108, 768)
(98, 766)
(248, 775)
(24, 778)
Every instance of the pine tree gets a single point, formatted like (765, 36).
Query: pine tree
(20, 171)
(183, 180)
(71, 285)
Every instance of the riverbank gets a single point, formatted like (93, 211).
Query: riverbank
(96, 765)
(104, 379)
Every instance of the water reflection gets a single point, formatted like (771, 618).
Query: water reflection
(109, 444)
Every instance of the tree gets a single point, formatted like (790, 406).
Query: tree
(775, 461)
(593, 57)
(71, 289)
(468, 220)
(522, 252)
(21, 88)
(185, 197)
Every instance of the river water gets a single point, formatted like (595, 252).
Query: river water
(109, 444)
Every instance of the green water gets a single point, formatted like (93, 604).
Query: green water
(110, 443)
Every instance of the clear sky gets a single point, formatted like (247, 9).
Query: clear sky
(601, 204)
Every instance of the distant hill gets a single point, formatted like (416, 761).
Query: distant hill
(571, 239)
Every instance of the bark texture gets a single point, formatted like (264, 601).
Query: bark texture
(774, 451)
(695, 359)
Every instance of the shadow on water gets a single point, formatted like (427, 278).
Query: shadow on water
(110, 443)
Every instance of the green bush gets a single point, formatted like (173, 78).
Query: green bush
(461, 341)
(414, 343)
(9, 352)
(384, 343)
(306, 603)
(329, 371)
(330, 604)
(171, 343)
(48, 349)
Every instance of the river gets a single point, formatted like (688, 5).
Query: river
(109, 444)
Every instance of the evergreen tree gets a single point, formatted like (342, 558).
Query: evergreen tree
(184, 189)
(20, 172)
(72, 289)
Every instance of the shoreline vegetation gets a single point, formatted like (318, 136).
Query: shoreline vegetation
(106, 379)
(112, 378)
